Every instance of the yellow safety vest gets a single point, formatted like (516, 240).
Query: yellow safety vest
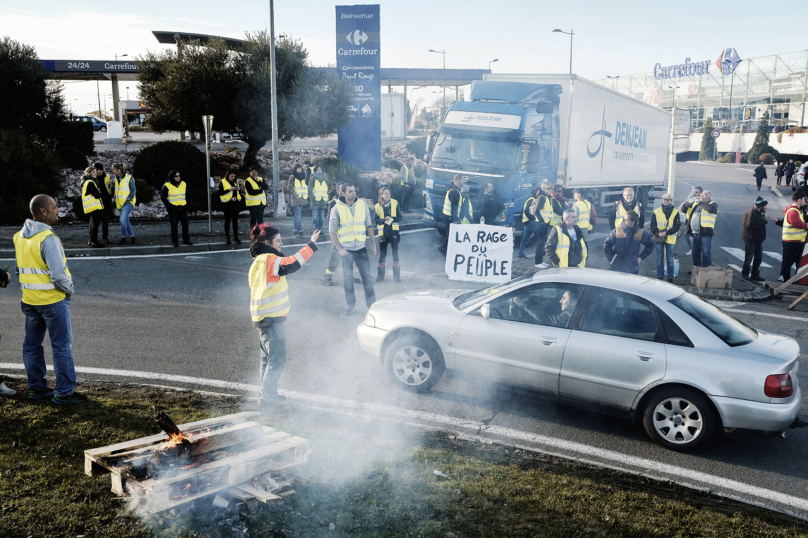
(255, 199)
(110, 184)
(563, 249)
(526, 210)
(176, 193)
(35, 280)
(229, 194)
(352, 227)
(122, 191)
(707, 219)
(269, 297)
(547, 214)
(792, 233)
(90, 203)
(663, 224)
(584, 214)
(414, 182)
(621, 212)
(301, 189)
(320, 190)
(393, 213)
(447, 207)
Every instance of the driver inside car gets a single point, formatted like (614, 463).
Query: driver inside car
(522, 309)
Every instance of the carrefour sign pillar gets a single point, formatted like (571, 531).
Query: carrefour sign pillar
(359, 63)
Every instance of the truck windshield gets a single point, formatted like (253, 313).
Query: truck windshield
(473, 153)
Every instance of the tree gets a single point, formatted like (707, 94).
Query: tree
(32, 103)
(761, 143)
(707, 141)
(234, 87)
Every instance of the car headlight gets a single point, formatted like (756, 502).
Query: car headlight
(370, 321)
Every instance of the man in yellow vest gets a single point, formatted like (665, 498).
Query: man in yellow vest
(795, 231)
(530, 223)
(701, 223)
(456, 208)
(665, 222)
(349, 226)
(549, 212)
(256, 196)
(92, 204)
(406, 184)
(46, 290)
(318, 194)
(566, 245)
(107, 185)
(173, 196)
(621, 207)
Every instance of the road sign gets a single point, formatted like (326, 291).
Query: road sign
(681, 122)
(716, 133)
(681, 145)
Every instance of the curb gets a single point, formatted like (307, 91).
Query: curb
(760, 294)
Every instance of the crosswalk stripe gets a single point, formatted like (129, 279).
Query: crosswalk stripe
(738, 269)
(776, 255)
(738, 253)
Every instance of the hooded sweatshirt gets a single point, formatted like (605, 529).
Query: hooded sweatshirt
(53, 255)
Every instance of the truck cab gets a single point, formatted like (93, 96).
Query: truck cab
(507, 134)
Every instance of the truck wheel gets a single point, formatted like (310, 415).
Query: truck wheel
(414, 363)
(680, 419)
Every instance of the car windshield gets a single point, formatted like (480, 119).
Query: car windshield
(730, 330)
(472, 152)
(467, 299)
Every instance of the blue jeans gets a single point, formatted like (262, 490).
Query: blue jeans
(318, 218)
(126, 228)
(702, 246)
(663, 251)
(55, 319)
(298, 219)
(363, 264)
(529, 229)
(273, 356)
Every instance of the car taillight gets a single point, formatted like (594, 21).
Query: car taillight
(779, 386)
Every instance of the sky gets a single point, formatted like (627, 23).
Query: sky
(611, 38)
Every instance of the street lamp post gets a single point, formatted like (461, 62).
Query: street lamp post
(570, 33)
(492, 61)
(207, 122)
(614, 84)
(274, 105)
(122, 56)
(444, 68)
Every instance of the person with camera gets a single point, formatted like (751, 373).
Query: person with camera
(256, 197)
(622, 247)
(387, 222)
(230, 195)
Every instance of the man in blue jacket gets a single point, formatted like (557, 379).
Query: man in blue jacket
(622, 247)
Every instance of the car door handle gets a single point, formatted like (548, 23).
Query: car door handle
(645, 356)
(548, 340)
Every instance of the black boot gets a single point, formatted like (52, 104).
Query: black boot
(132, 241)
(227, 240)
(380, 276)
(396, 272)
(236, 239)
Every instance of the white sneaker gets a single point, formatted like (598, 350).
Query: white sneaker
(5, 391)
(542, 265)
(689, 252)
(780, 279)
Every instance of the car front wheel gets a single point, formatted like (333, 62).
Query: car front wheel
(414, 363)
(679, 419)
(103, 129)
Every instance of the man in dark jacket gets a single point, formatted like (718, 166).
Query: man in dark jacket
(760, 174)
(622, 247)
(573, 249)
(491, 204)
(627, 205)
(753, 236)
(790, 168)
(701, 215)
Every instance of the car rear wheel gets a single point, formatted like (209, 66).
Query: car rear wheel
(414, 363)
(103, 129)
(679, 419)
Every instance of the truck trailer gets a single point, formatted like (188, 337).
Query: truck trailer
(516, 131)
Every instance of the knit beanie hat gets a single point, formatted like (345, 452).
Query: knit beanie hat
(760, 202)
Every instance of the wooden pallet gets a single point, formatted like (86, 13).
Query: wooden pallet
(221, 454)
(794, 293)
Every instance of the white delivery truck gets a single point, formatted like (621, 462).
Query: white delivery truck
(519, 130)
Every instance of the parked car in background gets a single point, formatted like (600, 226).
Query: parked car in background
(98, 125)
(611, 343)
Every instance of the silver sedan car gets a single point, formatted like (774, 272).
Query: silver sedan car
(614, 343)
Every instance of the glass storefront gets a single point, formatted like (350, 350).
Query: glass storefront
(775, 83)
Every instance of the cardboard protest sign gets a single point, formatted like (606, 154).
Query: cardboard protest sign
(479, 253)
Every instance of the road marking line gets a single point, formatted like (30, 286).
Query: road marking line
(766, 314)
(569, 446)
(738, 269)
(776, 255)
(738, 253)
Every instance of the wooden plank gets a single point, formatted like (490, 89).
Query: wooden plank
(236, 493)
(801, 272)
(800, 298)
(91, 468)
(258, 494)
(159, 438)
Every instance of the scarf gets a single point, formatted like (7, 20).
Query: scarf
(667, 209)
(299, 175)
(319, 176)
(258, 248)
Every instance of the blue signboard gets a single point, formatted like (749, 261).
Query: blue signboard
(359, 63)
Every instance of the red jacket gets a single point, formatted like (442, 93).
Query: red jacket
(794, 219)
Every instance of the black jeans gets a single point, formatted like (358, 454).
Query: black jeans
(176, 217)
(542, 233)
(95, 221)
(759, 181)
(106, 217)
(753, 256)
(792, 252)
(383, 251)
(231, 211)
(256, 215)
(360, 257)
(406, 195)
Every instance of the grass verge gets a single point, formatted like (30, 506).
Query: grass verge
(362, 479)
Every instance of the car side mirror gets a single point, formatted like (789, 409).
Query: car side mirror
(485, 311)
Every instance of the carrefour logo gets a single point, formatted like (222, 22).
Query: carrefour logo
(357, 37)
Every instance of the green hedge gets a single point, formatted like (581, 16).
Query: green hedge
(26, 169)
(72, 157)
(77, 134)
(154, 162)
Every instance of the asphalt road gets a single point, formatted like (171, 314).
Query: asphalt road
(187, 315)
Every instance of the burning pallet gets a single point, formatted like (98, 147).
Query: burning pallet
(193, 460)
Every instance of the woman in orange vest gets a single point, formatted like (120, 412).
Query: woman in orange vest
(269, 302)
